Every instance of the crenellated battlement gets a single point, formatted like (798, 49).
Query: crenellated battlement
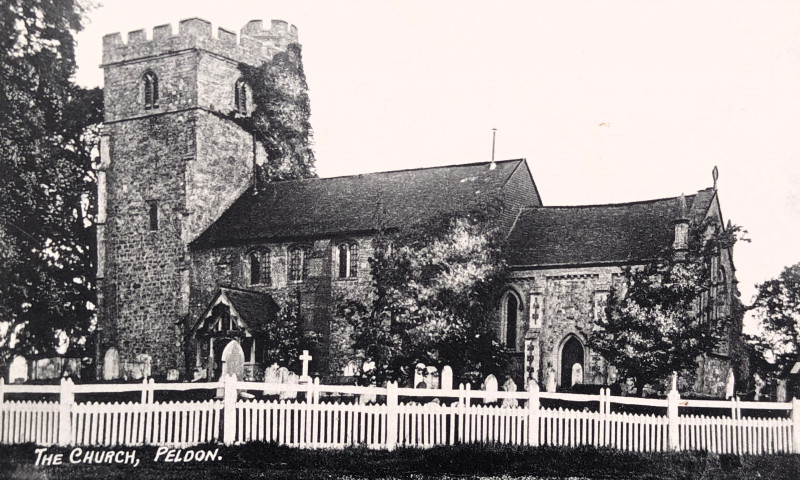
(254, 44)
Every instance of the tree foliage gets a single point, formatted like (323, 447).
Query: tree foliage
(280, 119)
(46, 180)
(777, 308)
(656, 321)
(432, 300)
(286, 338)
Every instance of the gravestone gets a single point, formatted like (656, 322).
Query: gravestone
(273, 374)
(758, 384)
(141, 367)
(490, 386)
(291, 379)
(432, 377)
(419, 376)
(551, 379)
(351, 369)
(509, 386)
(172, 375)
(577, 374)
(18, 370)
(233, 360)
(447, 378)
(730, 384)
(781, 391)
(111, 364)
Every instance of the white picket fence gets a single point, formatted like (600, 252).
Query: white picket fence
(329, 416)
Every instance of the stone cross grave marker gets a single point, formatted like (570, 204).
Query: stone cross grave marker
(489, 386)
(111, 364)
(447, 378)
(18, 370)
(305, 358)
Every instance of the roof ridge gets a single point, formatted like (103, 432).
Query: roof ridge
(621, 204)
(417, 169)
(238, 289)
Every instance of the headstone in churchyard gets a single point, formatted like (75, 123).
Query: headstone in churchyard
(781, 393)
(291, 379)
(367, 398)
(447, 378)
(509, 386)
(283, 374)
(730, 385)
(200, 373)
(758, 385)
(272, 374)
(551, 379)
(489, 386)
(111, 364)
(577, 374)
(233, 360)
(18, 370)
(432, 377)
(419, 375)
(141, 367)
(351, 369)
(172, 375)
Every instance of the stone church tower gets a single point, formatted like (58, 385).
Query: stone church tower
(172, 161)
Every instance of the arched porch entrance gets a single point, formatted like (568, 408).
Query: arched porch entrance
(572, 366)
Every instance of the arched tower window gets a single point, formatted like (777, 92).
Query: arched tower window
(298, 263)
(260, 267)
(240, 97)
(509, 320)
(150, 86)
(347, 257)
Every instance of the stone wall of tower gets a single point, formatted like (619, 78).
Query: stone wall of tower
(187, 156)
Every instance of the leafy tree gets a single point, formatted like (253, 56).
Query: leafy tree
(655, 321)
(46, 180)
(777, 307)
(432, 300)
(280, 119)
(286, 338)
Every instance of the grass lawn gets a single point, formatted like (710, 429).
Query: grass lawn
(268, 461)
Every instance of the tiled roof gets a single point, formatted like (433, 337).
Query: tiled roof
(359, 203)
(256, 309)
(596, 234)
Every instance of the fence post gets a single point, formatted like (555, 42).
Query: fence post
(533, 412)
(795, 425)
(2, 393)
(391, 412)
(673, 398)
(144, 390)
(229, 409)
(66, 399)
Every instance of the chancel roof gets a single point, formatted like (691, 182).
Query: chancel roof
(598, 234)
(359, 203)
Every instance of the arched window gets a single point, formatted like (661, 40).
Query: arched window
(509, 320)
(298, 263)
(347, 258)
(240, 97)
(150, 85)
(260, 267)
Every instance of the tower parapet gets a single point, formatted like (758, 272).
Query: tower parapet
(253, 45)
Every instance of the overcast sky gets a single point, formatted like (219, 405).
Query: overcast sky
(608, 101)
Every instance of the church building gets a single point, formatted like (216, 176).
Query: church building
(194, 260)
